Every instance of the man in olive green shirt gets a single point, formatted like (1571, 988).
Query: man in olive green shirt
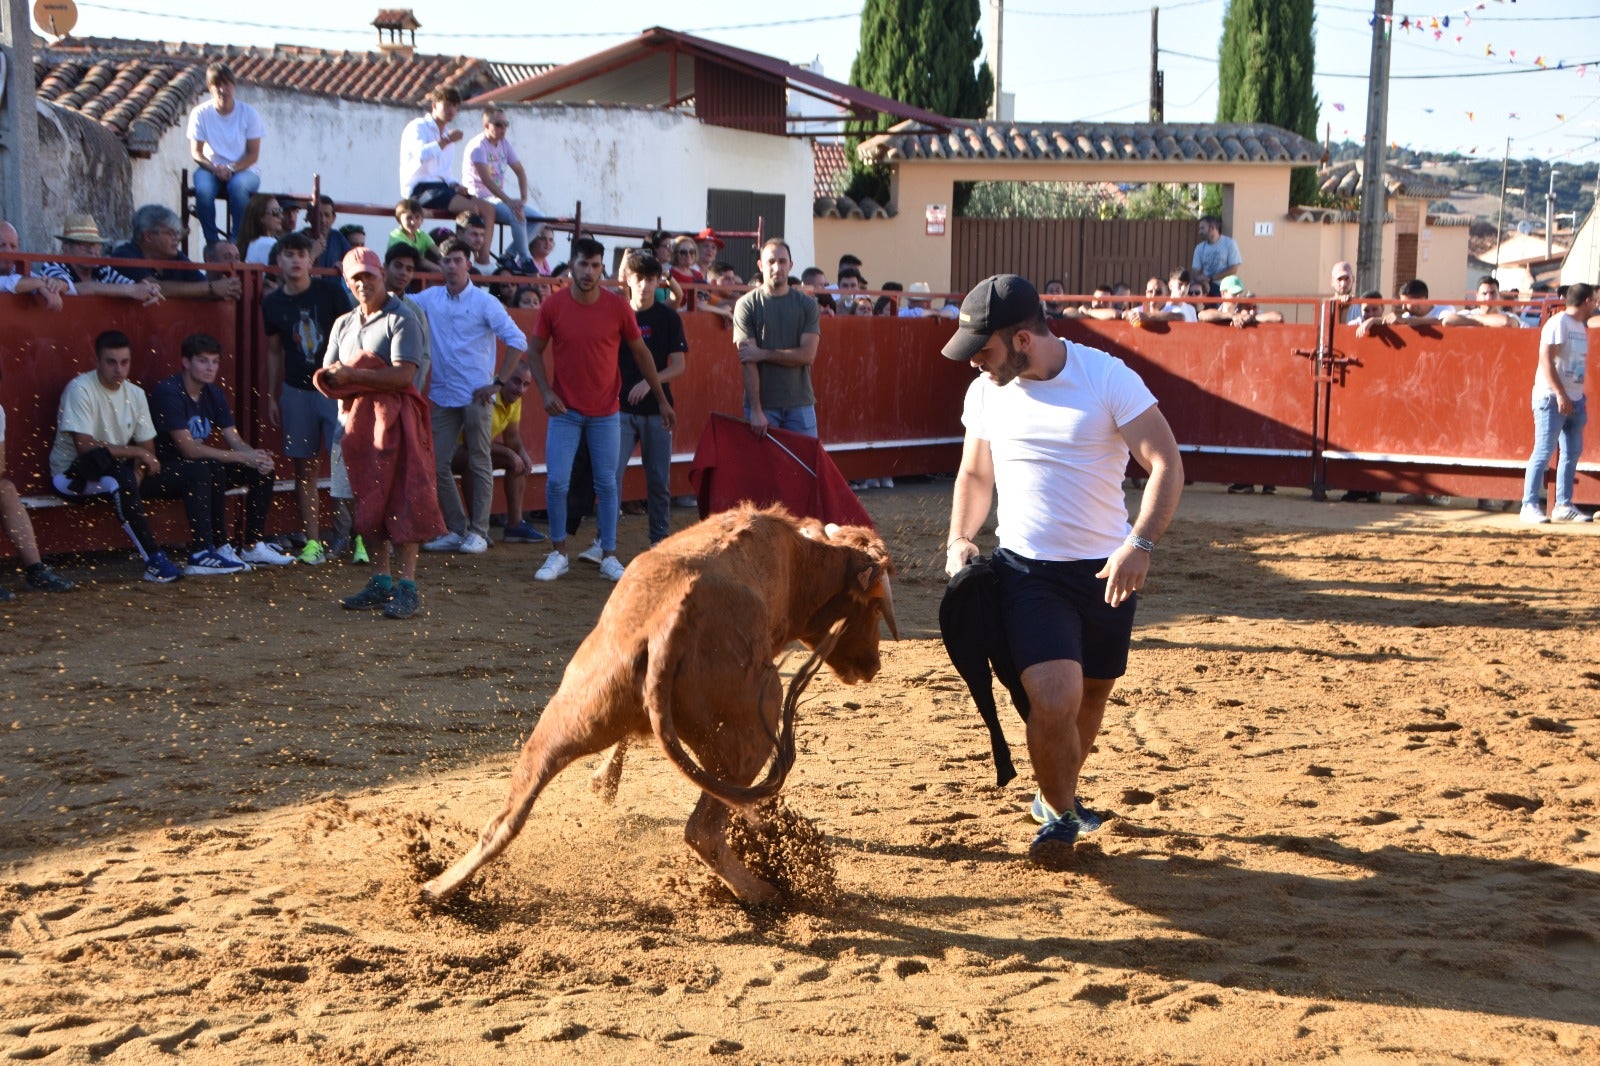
(776, 329)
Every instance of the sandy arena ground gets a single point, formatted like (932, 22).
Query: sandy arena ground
(1352, 767)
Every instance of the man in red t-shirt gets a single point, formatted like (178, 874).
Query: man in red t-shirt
(583, 325)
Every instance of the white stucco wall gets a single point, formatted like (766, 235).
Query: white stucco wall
(627, 166)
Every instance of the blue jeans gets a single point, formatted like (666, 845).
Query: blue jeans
(565, 433)
(795, 419)
(207, 188)
(655, 451)
(1551, 427)
(519, 225)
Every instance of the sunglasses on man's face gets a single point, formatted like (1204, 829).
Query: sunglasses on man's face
(500, 125)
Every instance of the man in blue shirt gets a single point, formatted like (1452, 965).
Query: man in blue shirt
(463, 321)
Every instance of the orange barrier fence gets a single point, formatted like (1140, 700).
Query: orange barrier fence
(1444, 411)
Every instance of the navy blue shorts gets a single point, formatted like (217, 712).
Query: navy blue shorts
(1059, 611)
(433, 195)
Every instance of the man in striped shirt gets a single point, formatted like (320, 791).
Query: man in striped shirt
(81, 236)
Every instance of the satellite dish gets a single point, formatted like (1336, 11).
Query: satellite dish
(1524, 227)
(55, 17)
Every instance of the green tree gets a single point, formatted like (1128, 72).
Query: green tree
(1268, 55)
(920, 52)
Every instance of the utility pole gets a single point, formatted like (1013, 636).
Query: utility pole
(1369, 245)
(1550, 213)
(19, 127)
(1500, 219)
(1158, 79)
(997, 18)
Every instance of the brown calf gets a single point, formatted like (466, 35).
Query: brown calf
(684, 650)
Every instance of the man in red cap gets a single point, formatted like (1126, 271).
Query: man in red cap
(380, 325)
(1050, 425)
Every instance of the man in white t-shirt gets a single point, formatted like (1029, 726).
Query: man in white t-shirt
(1560, 407)
(490, 161)
(1050, 425)
(430, 164)
(225, 143)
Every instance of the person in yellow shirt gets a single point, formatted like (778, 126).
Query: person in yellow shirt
(507, 452)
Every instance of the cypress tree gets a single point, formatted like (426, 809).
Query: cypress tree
(1268, 55)
(923, 53)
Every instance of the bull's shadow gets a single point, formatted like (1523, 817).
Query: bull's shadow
(1390, 926)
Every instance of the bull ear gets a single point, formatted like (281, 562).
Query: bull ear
(868, 577)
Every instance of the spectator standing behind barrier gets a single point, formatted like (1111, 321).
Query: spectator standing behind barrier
(463, 322)
(1342, 280)
(1560, 407)
(81, 236)
(1238, 307)
(430, 161)
(47, 291)
(640, 415)
(708, 244)
(1487, 315)
(262, 226)
(777, 329)
(19, 530)
(104, 447)
(583, 325)
(298, 317)
(1215, 257)
(1050, 426)
(408, 213)
(188, 408)
(225, 144)
(1156, 307)
(684, 270)
(489, 158)
(157, 234)
(1416, 311)
(851, 298)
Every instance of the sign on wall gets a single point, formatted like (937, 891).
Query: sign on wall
(936, 216)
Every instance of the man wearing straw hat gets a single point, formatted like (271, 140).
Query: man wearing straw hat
(81, 236)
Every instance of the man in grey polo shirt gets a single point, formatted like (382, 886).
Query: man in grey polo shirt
(776, 329)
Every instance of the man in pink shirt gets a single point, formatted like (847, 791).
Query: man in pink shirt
(490, 160)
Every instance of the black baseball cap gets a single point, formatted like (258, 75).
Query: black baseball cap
(995, 303)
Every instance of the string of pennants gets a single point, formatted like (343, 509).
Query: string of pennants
(1449, 27)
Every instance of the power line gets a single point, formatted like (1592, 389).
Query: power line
(244, 24)
(1476, 18)
(1421, 77)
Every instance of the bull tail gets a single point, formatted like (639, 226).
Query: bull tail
(658, 703)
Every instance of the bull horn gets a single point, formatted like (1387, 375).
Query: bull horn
(831, 529)
(886, 605)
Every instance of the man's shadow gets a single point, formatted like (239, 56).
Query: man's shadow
(1455, 932)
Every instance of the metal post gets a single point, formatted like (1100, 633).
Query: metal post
(1550, 213)
(19, 128)
(1369, 245)
(1158, 85)
(1500, 219)
(996, 32)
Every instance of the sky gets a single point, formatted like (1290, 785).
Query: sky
(1524, 69)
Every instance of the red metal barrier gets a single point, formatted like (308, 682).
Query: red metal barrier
(1406, 411)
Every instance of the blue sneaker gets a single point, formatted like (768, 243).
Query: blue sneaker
(523, 533)
(1052, 844)
(1088, 820)
(161, 570)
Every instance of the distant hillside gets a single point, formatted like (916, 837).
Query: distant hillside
(1476, 181)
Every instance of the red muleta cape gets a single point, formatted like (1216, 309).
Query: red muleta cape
(388, 452)
(733, 465)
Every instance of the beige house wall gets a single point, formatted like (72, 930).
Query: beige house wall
(1293, 259)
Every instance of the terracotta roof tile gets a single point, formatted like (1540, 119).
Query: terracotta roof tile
(1344, 179)
(139, 89)
(830, 168)
(1063, 141)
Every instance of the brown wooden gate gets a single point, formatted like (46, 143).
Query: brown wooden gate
(1082, 253)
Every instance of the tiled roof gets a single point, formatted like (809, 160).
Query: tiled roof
(1096, 141)
(138, 89)
(1344, 179)
(830, 168)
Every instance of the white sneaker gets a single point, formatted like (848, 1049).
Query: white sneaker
(593, 553)
(263, 554)
(1568, 513)
(555, 564)
(473, 544)
(1534, 515)
(887, 483)
(204, 563)
(230, 553)
(611, 568)
(448, 542)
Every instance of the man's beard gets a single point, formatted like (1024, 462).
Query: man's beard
(1015, 363)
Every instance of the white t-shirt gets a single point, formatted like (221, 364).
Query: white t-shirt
(225, 135)
(121, 417)
(260, 250)
(1059, 457)
(1186, 310)
(1570, 337)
